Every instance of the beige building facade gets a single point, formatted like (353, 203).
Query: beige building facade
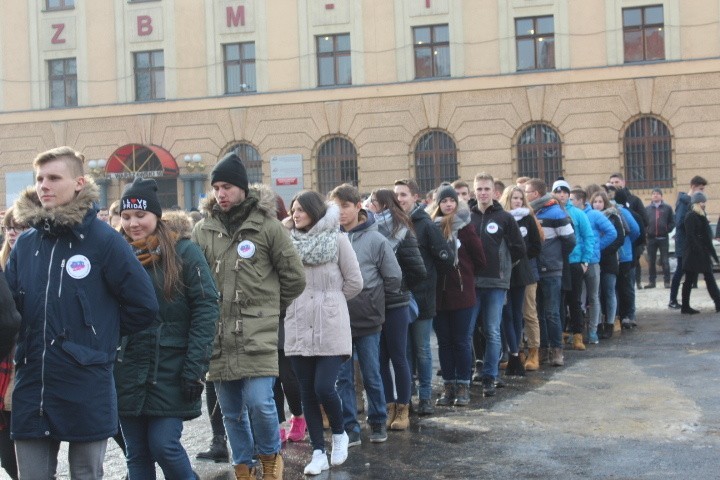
(318, 92)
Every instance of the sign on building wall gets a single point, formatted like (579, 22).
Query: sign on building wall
(15, 183)
(286, 175)
(234, 16)
(58, 33)
(144, 25)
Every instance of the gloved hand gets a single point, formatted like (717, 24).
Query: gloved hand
(192, 389)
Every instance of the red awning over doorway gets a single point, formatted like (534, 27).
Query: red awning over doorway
(135, 160)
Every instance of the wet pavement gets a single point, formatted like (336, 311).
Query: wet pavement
(644, 404)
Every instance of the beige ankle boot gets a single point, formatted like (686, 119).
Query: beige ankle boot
(402, 419)
(273, 466)
(243, 472)
(533, 360)
(578, 342)
(391, 412)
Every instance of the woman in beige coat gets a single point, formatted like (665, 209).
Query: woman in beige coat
(317, 323)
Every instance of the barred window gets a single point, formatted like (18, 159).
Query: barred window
(435, 160)
(251, 159)
(336, 164)
(648, 154)
(539, 153)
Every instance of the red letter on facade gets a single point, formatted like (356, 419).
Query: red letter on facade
(144, 25)
(59, 27)
(237, 17)
(427, 3)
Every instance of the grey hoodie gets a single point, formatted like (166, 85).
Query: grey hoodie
(380, 273)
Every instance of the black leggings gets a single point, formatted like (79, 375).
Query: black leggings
(213, 407)
(7, 448)
(286, 386)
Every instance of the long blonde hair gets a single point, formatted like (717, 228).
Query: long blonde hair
(8, 221)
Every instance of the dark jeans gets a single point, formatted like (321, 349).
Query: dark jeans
(286, 386)
(393, 347)
(691, 278)
(626, 291)
(573, 299)
(317, 377)
(452, 328)
(654, 245)
(548, 301)
(7, 448)
(677, 277)
(213, 407)
(512, 322)
(155, 439)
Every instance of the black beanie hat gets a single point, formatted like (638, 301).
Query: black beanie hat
(445, 192)
(621, 197)
(141, 194)
(231, 170)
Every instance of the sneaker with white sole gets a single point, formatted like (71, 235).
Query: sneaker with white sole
(339, 448)
(318, 463)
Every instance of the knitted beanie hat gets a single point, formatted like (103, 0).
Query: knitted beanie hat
(230, 170)
(141, 194)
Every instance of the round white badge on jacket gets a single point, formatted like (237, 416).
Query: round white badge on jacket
(78, 266)
(492, 227)
(246, 249)
(523, 231)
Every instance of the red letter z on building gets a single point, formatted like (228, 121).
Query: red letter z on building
(59, 27)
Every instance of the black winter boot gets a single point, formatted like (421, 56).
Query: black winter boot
(515, 367)
(218, 451)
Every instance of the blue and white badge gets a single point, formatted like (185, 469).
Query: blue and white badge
(78, 266)
(492, 228)
(246, 249)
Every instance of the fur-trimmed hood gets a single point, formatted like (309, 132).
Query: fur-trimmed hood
(29, 210)
(264, 194)
(178, 222)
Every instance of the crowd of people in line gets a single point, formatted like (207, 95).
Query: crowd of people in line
(114, 321)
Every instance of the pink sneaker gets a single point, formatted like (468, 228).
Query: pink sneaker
(297, 429)
(283, 435)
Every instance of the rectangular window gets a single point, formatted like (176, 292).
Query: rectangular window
(432, 51)
(239, 67)
(643, 34)
(59, 4)
(149, 75)
(333, 59)
(535, 43)
(62, 75)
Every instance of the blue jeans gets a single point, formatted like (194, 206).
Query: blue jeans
(608, 296)
(393, 347)
(452, 328)
(549, 314)
(491, 302)
(592, 289)
(367, 349)
(241, 400)
(317, 377)
(420, 355)
(512, 323)
(37, 458)
(155, 439)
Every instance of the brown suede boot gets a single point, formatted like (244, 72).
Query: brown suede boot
(533, 360)
(273, 466)
(556, 357)
(402, 420)
(391, 412)
(577, 343)
(243, 472)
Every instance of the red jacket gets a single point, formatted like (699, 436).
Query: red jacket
(456, 287)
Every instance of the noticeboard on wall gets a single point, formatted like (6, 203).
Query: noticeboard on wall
(286, 175)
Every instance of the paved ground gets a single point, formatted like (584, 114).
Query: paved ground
(641, 405)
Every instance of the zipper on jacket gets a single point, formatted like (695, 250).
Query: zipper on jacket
(62, 270)
(42, 364)
(202, 287)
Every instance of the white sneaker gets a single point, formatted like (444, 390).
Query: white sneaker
(339, 448)
(318, 463)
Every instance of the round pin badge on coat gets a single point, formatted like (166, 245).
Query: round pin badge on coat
(246, 249)
(78, 266)
(523, 231)
(492, 227)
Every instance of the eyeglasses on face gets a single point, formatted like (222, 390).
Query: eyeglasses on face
(15, 228)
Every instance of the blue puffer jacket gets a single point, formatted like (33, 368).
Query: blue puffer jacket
(584, 236)
(559, 236)
(78, 287)
(603, 229)
(626, 251)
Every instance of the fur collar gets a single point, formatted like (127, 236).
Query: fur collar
(178, 222)
(264, 194)
(29, 211)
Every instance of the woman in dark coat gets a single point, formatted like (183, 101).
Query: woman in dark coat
(456, 296)
(159, 372)
(698, 253)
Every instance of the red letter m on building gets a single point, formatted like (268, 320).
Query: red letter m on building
(235, 17)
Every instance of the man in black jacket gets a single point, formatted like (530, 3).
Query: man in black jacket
(436, 253)
(661, 223)
(636, 205)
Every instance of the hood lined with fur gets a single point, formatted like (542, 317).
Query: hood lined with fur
(264, 194)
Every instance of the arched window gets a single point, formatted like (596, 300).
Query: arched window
(251, 159)
(435, 160)
(336, 164)
(648, 154)
(539, 153)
